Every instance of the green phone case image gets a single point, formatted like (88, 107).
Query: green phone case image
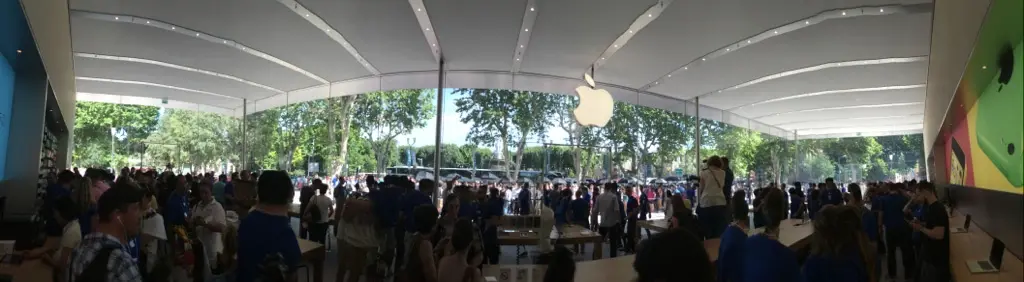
(1000, 119)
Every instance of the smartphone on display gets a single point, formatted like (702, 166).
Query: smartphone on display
(999, 128)
(957, 167)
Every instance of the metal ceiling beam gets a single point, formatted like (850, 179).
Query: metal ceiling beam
(322, 25)
(841, 108)
(174, 66)
(127, 19)
(794, 26)
(652, 13)
(108, 80)
(529, 17)
(829, 92)
(427, 27)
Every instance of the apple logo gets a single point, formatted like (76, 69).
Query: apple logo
(595, 108)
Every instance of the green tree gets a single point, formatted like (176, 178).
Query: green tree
(506, 119)
(383, 115)
(93, 123)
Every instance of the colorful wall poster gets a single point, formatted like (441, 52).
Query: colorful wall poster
(983, 133)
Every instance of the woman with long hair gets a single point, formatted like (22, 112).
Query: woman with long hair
(765, 259)
(838, 248)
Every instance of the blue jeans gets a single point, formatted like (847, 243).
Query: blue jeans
(713, 220)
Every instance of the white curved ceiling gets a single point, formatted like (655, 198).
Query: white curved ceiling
(819, 68)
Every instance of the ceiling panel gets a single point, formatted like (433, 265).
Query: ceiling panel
(862, 129)
(130, 40)
(823, 80)
(265, 25)
(568, 37)
(855, 122)
(123, 70)
(839, 40)
(477, 35)
(835, 100)
(384, 32)
(687, 30)
(122, 89)
(888, 111)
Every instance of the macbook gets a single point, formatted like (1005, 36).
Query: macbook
(994, 261)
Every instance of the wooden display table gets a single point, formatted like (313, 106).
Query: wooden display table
(314, 254)
(34, 270)
(619, 269)
(657, 225)
(975, 245)
(571, 235)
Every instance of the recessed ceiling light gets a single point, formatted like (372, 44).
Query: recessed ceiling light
(649, 15)
(602, 58)
(630, 31)
(531, 9)
(703, 59)
(686, 68)
(197, 34)
(172, 28)
(844, 13)
(521, 46)
(982, 67)
(517, 59)
(307, 15)
(147, 22)
(776, 32)
(670, 75)
(727, 49)
(225, 41)
(117, 18)
(433, 44)
(807, 22)
(428, 29)
(327, 30)
(655, 82)
(243, 48)
(615, 46)
(19, 51)
(419, 9)
(881, 10)
(526, 29)
(748, 41)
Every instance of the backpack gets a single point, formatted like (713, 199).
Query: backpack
(96, 271)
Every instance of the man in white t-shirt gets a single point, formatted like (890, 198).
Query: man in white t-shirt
(209, 218)
(325, 206)
(609, 208)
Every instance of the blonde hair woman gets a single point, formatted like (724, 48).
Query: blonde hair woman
(81, 194)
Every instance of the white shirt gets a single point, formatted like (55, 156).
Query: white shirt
(607, 206)
(153, 226)
(711, 183)
(323, 203)
(211, 213)
(70, 238)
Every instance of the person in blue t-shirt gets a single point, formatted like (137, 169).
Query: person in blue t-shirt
(832, 194)
(632, 213)
(410, 201)
(897, 231)
(730, 248)
(524, 199)
(176, 208)
(491, 215)
(62, 188)
(673, 255)
(266, 241)
(764, 258)
(836, 252)
(579, 210)
(871, 228)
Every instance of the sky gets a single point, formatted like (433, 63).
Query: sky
(454, 130)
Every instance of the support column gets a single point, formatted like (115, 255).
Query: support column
(697, 133)
(437, 129)
(245, 138)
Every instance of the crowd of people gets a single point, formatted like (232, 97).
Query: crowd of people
(149, 226)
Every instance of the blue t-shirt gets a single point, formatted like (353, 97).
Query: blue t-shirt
(469, 210)
(386, 206)
(580, 208)
(410, 201)
(260, 235)
(892, 211)
(495, 207)
(631, 205)
(918, 213)
(869, 222)
(85, 220)
(767, 260)
(847, 268)
(176, 210)
(833, 197)
(730, 255)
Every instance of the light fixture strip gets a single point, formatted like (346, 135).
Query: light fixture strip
(197, 34)
(794, 26)
(863, 129)
(174, 66)
(831, 92)
(423, 18)
(108, 80)
(119, 99)
(322, 25)
(842, 108)
(652, 13)
(785, 124)
(529, 17)
(900, 123)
